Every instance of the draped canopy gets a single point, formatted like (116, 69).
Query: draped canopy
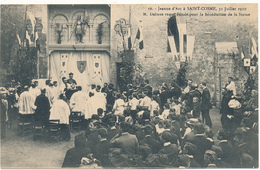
(83, 78)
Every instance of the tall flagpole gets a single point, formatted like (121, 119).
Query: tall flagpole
(25, 25)
(130, 25)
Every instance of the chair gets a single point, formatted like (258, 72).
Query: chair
(75, 120)
(54, 129)
(38, 130)
(24, 127)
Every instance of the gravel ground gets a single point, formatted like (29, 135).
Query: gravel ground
(24, 152)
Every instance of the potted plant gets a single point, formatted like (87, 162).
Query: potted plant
(59, 29)
(100, 33)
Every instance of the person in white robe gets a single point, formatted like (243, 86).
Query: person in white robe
(145, 102)
(61, 111)
(78, 101)
(55, 91)
(100, 98)
(153, 106)
(119, 105)
(34, 90)
(49, 92)
(26, 105)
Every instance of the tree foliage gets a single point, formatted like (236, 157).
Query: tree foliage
(12, 23)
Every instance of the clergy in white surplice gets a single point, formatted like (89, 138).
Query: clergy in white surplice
(78, 101)
(97, 100)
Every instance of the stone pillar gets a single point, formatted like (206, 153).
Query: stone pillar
(70, 32)
(91, 32)
(50, 33)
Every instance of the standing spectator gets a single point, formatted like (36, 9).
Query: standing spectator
(231, 86)
(3, 118)
(205, 105)
(119, 105)
(145, 102)
(133, 104)
(188, 88)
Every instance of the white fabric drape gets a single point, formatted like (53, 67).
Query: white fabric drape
(86, 78)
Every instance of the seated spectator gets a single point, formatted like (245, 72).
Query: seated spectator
(148, 139)
(127, 142)
(247, 161)
(153, 106)
(220, 163)
(166, 111)
(210, 159)
(184, 161)
(112, 130)
(101, 149)
(201, 142)
(74, 155)
(171, 150)
(190, 149)
(226, 146)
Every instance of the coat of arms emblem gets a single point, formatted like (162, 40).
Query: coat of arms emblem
(81, 66)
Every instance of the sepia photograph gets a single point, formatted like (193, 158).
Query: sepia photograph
(130, 86)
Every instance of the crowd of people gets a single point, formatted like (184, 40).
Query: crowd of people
(143, 126)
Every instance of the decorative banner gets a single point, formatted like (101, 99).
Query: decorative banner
(171, 42)
(96, 67)
(190, 46)
(63, 67)
(139, 35)
(252, 69)
(81, 66)
(178, 65)
(247, 62)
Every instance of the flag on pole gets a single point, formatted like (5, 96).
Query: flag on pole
(139, 35)
(242, 56)
(182, 32)
(129, 38)
(254, 44)
(37, 44)
(19, 40)
(184, 43)
(28, 41)
(190, 46)
(172, 45)
(254, 49)
(173, 31)
(32, 20)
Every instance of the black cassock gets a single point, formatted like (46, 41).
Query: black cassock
(42, 111)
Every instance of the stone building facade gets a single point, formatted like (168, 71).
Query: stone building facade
(158, 65)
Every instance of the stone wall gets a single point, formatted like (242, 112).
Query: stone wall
(159, 65)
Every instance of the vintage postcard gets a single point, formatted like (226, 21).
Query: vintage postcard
(129, 85)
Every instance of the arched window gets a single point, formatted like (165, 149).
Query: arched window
(59, 30)
(101, 31)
